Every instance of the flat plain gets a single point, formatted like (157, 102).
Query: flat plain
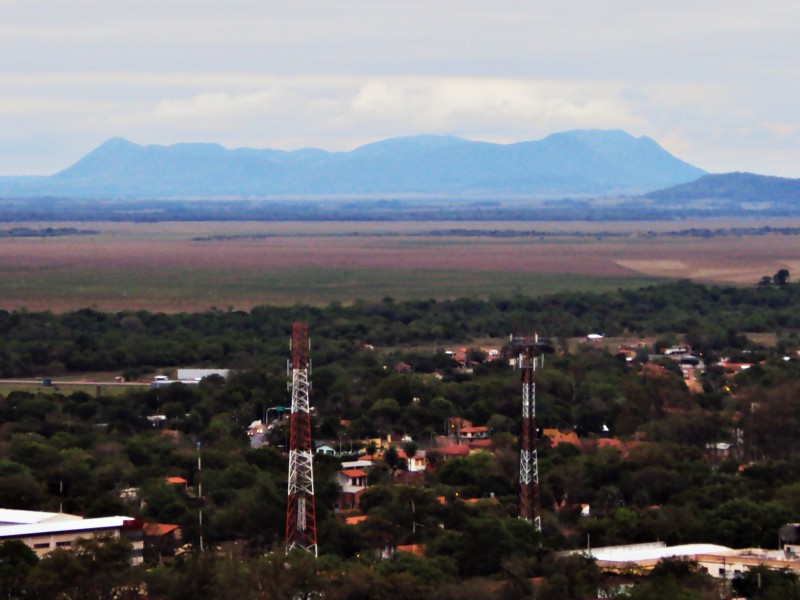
(198, 265)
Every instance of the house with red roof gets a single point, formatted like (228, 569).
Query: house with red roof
(161, 541)
(177, 481)
(352, 482)
(474, 433)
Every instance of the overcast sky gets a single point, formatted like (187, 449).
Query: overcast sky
(716, 82)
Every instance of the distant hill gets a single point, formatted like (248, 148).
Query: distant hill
(735, 188)
(575, 162)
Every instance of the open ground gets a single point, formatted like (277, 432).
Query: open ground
(161, 266)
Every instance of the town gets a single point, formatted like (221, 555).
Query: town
(418, 449)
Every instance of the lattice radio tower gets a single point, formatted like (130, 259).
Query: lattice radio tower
(528, 350)
(301, 520)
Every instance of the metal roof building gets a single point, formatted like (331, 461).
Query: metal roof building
(44, 532)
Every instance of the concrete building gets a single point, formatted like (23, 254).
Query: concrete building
(44, 532)
(200, 374)
(352, 482)
(718, 561)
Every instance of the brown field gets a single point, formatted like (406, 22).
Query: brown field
(158, 266)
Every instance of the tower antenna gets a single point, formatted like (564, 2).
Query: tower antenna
(529, 350)
(301, 520)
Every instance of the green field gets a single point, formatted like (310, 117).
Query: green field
(177, 289)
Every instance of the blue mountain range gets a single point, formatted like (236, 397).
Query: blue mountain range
(583, 162)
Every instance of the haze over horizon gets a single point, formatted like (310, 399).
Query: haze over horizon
(714, 84)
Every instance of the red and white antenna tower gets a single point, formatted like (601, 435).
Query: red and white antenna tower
(301, 520)
(527, 348)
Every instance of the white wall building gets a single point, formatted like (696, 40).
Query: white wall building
(717, 561)
(199, 374)
(43, 532)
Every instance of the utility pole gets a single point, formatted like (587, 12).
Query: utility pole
(301, 522)
(200, 495)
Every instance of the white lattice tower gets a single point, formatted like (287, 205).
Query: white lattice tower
(528, 458)
(301, 524)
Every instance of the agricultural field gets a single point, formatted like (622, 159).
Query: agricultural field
(194, 266)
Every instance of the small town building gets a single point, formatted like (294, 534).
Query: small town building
(44, 532)
(474, 433)
(352, 482)
(200, 374)
(718, 561)
(161, 541)
(177, 482)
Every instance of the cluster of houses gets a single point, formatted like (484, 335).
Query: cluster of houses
(460, 357)
(464, 439)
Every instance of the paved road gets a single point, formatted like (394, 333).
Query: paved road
(56, 382)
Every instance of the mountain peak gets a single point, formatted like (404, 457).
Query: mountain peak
(117, 143)
(425, 142)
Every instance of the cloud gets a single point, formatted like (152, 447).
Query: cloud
(459, 102)
(716, 81)
(219, 104)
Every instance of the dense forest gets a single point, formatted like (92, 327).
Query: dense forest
(661, 482)
(710, 318)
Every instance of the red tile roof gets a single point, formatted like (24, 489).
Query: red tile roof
(158, 529)
(355, 520)
(179, 480)
(354, 473)
(453, 450)
(418, 549)
(481, 443)
(479, 429)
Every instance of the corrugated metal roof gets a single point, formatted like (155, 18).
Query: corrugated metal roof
(655, 551)
(26, 517)
(7, 531)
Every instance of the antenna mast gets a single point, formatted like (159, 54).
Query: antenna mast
(301, 521)
(527, 348)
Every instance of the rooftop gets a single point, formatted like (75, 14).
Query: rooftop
(158, 529)
(354, 473)
(10, 516)
(654, 551)
(13, 531)
(176, 480)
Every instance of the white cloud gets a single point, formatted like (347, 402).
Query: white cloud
(453, 103)
(716, 80)
(217, 104)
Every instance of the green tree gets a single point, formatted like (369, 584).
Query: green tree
(764, 583)
(16, 561)
(95, 569)
(781, 277)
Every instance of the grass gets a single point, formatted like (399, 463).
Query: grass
(178, 289)
(159, 267)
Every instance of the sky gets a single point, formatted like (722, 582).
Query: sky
(715, 82)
